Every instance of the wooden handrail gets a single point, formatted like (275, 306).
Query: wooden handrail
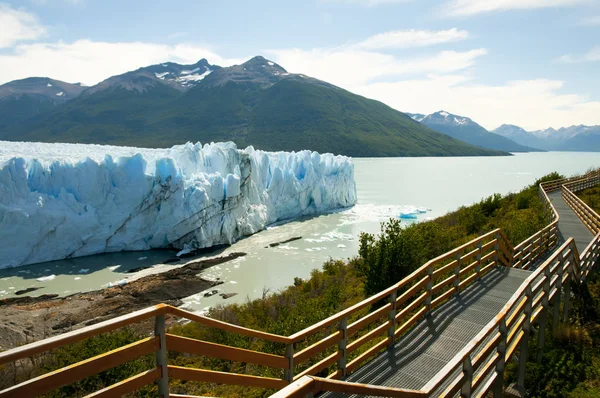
(409, 300)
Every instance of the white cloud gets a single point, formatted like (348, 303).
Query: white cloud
(411, 38)
(18, 25)
(471, 7)
(531, 104)
(348, 68)
(91, 62)
(444, 80)
(591, 56)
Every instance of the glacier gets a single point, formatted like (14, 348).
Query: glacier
(61, 201)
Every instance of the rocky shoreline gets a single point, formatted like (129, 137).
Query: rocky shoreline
(25, 319)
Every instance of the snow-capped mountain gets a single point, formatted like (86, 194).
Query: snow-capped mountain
(574, 138)
(465, 129)
(26, 98)
(255, 103)
(53, 90)
(171, 74)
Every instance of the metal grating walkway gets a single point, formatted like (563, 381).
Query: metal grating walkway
(421, 353)
(569, 225)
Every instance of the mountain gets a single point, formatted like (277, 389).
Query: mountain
(256, 103)
(465, 129)
(176, 76)
(23, 99)
(575, 138)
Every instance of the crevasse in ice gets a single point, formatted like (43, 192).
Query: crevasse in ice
(68, 200)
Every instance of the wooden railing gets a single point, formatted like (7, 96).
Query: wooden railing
(589, 217)
(527, 253)
(341, 343)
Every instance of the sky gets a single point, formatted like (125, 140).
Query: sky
(532, 63)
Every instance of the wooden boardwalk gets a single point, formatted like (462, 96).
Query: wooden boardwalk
(424, 351)
(569, 225)
(420, 354)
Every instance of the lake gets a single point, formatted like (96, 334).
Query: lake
(384, 185)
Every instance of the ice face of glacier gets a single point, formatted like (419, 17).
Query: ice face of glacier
(70, 200)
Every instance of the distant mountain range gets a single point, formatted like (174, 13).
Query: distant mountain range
(574, 138)
(465, 129)
(256, 103)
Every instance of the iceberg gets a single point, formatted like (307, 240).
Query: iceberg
(61, 201)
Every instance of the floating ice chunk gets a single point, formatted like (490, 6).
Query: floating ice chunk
(84, 270)
(48, 85)
(341, 245)
(183, 252)
(77, 278)
(142, 258)
(60, 94)
(46, 278)
(114, 267)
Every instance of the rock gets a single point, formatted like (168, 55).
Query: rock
(283, 242)
(29, 289)
(211, 293)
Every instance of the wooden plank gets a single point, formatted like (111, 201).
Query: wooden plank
(367, 354)
(80, 370)
(227, 326)
(363, 389)
(441, 298)
(481, 375)
(469, 255)
(487, 350)
(80, 334)
(418, 301)
(411, 292)
(317, 348)
(445, 269)
(197, 347)
(468, 268)
(211, 376)
(467, 281)
(437, 287)
(511, 347)
(297, 389)
(408, 324)
(319, 366)
(368, 319)
(128, 385)
(378, 331)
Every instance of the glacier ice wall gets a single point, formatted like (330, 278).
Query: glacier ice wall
(53, 205)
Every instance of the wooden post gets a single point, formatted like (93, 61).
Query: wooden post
(289, 371)
(524, 349)
(496, 257)
(392, 318)
(543, 315)
(468, 372)
(498, 387)
(161, 356)
(556, 305)
(456, 274)
(568, 290)
(341, 363)
(428, 288)
(478, 266)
